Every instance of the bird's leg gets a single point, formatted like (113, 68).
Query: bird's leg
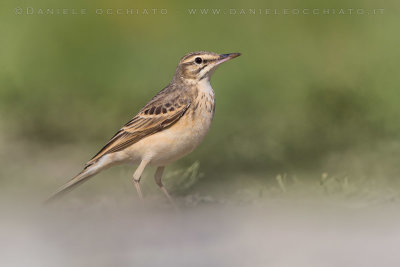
(157, 177)
(137, 175)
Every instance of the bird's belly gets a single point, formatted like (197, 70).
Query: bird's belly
(175, 142)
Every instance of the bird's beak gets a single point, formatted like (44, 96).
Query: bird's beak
(225, 57)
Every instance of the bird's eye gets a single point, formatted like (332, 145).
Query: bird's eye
(198, 60)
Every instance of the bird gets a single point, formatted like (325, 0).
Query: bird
(171, 125)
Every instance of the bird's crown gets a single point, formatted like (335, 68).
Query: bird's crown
(196, 66)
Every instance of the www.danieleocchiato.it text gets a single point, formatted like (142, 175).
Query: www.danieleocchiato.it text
(286, 11)
(197, 11)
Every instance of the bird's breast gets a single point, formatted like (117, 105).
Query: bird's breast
(201, 111)
(182, 137)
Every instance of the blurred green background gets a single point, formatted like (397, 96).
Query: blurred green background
(310, 94)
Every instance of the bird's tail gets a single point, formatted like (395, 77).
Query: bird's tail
(83, 176)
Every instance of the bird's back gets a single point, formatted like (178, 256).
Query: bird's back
(185, 135)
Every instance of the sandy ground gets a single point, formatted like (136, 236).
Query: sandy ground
(332, 222)
(281, 232)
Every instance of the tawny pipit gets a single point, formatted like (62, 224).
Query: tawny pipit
(170, 126)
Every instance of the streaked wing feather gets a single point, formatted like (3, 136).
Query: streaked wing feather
(143, 125)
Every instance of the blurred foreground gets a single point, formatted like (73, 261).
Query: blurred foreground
(284, 221)
(268, 231)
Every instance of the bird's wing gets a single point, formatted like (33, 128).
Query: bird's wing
(157, 115)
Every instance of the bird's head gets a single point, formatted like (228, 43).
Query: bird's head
(197, 66)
